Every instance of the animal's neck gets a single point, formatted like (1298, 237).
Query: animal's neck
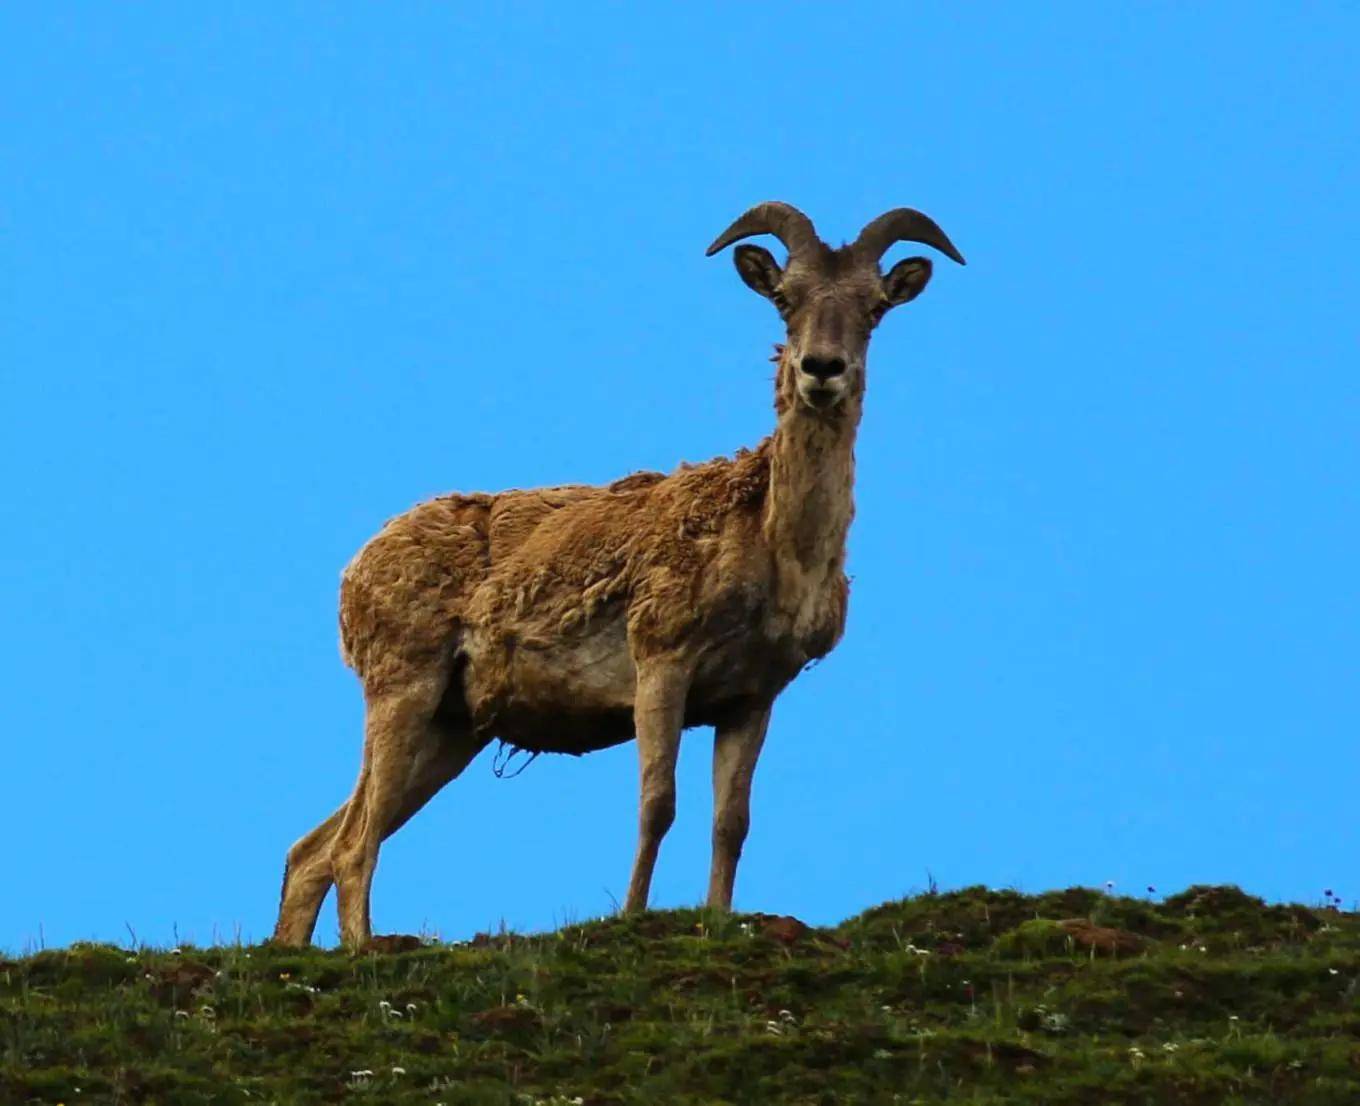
(812, 476)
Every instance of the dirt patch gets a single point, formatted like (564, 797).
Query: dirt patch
(782, 928)
(1008, 1054)
(507, 1021)
(1088, 935)
(177, 984)
(394, 942)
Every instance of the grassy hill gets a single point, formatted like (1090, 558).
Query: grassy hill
(976, 996)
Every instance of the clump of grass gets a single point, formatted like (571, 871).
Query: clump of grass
(1211, 996)
(1036, 938)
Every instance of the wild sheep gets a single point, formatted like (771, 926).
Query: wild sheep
(570, 619)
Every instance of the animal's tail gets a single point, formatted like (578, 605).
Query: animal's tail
(346, 650)
(350, 596)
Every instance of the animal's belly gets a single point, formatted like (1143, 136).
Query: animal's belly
(572, 696)
(576, 695)
(592, 673)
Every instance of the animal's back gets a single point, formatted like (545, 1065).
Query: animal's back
(411, 594)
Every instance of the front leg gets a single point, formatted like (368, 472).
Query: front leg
(658, 715)
(736, 745)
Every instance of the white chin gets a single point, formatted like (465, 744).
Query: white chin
(820, 399)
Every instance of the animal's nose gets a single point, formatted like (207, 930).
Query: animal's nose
(823, 368)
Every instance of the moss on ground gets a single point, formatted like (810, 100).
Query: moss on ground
(1211, 997)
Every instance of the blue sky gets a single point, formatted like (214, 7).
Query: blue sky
(271, 273)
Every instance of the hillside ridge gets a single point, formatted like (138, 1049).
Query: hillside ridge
(1209, 996)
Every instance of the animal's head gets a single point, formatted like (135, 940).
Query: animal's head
(831, 299)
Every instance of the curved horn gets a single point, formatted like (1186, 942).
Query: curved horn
(784, 221)
(904, 224)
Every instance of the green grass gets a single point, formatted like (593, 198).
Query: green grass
(970, 997)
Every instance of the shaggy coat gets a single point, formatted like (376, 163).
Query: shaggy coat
(546, 600)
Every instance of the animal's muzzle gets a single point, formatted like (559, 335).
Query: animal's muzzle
(822, 368)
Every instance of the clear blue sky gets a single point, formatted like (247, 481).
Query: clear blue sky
(271, 273)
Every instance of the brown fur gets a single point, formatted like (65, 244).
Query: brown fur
(572, 618)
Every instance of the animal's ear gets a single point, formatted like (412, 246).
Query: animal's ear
(906, 280)
(758, 269)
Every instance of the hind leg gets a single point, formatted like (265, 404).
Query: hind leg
(408, 757)
(306, 879)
